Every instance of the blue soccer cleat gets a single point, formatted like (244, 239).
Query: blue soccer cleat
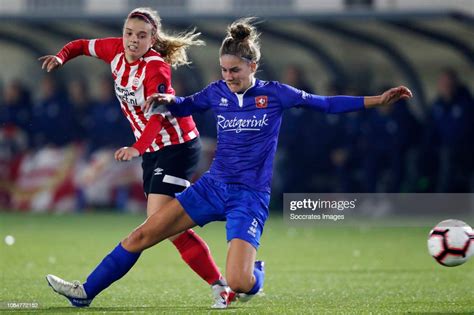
(73, 291)
(260, 265)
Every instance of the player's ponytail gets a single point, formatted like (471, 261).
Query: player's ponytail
(242, 40)
(171, 47)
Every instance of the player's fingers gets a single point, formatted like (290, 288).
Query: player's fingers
(126, 157)
(44, 58)
(45, 63)
(160, 98)
(406, 91)
(53, 64)
(147, 105)
(50, 65)
(118, 154)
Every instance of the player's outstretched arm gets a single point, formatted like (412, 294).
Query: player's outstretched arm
(388, 97)
(159, 99)
(50, 62)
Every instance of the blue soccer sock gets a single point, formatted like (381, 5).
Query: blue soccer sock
(113, 267)
(259, 278)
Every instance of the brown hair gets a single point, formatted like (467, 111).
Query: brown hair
(242, 40)
(171, 47)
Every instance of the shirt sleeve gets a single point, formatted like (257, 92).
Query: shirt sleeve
(292, 97)
(197, 102)
(157, 80)
(103, 48)
(149, 133)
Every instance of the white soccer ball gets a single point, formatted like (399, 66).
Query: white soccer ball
(451, 243)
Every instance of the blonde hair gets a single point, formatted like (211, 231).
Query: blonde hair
(171, 47)
(242, 40)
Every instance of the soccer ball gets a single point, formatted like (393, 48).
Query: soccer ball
(451, 243)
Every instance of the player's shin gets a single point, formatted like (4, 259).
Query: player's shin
(113, 267)
(196, 254)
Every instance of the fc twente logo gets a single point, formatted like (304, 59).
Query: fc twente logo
(261, 101)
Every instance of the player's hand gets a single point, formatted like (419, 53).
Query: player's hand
(126, 154)
(159, 99)
(50, 62)
(395, 94)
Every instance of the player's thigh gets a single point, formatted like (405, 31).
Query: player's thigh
(155, 202)
(239, 266)
(170, 220)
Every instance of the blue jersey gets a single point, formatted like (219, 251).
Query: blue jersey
(248, 125)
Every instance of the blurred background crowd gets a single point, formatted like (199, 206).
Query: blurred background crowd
(58, 131)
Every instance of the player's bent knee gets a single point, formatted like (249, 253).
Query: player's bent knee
(136, 241)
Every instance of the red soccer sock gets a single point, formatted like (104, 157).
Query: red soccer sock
(196, 254)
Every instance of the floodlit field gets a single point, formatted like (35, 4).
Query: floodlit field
(308, 270)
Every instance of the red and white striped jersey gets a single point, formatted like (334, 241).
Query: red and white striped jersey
(134, 82)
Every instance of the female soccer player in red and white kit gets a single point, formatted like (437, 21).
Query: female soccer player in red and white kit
(141, 65)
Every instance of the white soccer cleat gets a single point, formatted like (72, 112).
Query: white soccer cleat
(220, 293)
(73, 291)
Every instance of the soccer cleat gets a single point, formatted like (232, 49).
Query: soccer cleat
(220, 294)
(73, 291)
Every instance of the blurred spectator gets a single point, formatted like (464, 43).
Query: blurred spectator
(100, 181)
(106, 126)
(388, 132)
(299, 147)
(53, 118)
(451, 134)
(15, 115)
(295, 76)
(345, 145)
(16, 107)
(79, 100)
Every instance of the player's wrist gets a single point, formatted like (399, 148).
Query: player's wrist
(58, 59)
(138, 148)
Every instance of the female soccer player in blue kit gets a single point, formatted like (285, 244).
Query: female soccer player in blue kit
(236, 188)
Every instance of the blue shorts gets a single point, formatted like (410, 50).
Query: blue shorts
(244, 209)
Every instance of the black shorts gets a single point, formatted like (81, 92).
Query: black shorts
(169, 170)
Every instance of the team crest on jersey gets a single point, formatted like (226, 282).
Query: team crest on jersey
(261, 101)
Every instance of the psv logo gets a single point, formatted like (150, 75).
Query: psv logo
(261, 101)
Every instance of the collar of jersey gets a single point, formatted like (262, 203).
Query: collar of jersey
(136, 62)
(254, 80)
(140, 59)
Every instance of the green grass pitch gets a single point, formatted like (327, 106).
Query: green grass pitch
(320, 270)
